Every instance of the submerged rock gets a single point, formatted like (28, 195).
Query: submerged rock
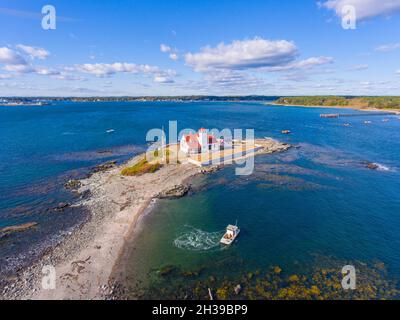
(105, 166)
(73, 185)
(191, 273)
(167, 270)
(62, 206)
(18, 228)
(104, 152)
(211, 169)
(371, 165)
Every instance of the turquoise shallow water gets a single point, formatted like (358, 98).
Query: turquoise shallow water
(317, 198)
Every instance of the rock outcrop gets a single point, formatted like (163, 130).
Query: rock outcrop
(104, 166)
(371, 165)
(73, 185)
(176, 192)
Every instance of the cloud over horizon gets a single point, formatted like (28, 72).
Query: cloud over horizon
(243, 54)
(230, 64)
(9, 56)
(34, 52)
(388, 47)
(108, 69)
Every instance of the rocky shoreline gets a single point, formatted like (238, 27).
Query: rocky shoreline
(87, 257)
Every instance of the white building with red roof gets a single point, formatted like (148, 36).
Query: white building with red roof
(200, 142)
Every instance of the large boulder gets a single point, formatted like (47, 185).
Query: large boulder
(178, 191)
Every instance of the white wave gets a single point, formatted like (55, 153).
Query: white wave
(381, 167)
(193, 239)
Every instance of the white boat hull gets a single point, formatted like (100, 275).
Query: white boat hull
(229, 240)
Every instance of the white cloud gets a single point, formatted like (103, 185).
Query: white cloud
(70, 77)
(164, 48)
(398, 72)
(108, 69)
(240, 55)
(173, 53)
(358, 67)
(388, 47)
(163, 79)
(4, 76)
(295, 76)
(233, 79)
(364, 8)
(18, 68)
(46, 71)
(301, 64)
(26, 68)
(8, 56)
(311, 62)
(233, 66)
(34, 52)
(226, 82)
(173, 56)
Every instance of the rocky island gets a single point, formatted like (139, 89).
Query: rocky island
(115, 197)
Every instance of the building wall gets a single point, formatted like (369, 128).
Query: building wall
(203, 140)
(184, 146)
(206, 147)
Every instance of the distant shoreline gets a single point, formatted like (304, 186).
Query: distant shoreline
(394, 111)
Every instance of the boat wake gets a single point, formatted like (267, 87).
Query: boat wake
(193, 239)
(381, 167)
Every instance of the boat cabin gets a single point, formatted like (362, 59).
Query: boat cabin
(231, 231)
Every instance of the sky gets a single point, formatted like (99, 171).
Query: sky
(207, 47)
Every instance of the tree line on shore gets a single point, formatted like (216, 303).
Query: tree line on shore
(382, 102)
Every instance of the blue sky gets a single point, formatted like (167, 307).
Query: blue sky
(268, 47)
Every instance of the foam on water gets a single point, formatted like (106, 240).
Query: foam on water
(382, 167)
(193, 239)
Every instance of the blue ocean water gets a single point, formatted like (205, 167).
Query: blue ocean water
(316, 198)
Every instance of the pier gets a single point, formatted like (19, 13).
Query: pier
(342, 115)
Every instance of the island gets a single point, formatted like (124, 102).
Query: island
(88, 259)
(381, 103)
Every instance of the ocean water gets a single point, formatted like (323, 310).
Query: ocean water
(317, 198)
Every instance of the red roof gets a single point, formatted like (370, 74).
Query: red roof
(193, 141)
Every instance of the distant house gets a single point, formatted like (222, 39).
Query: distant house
(200, 142)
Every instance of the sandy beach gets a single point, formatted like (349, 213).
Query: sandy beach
(85, 261)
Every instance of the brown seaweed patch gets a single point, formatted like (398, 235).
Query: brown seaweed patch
(205, 184)
(268, 180)
(318, 282)
(290, 169)
(328, 156)
(98, 154)
(288, 182)
(289, 156)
